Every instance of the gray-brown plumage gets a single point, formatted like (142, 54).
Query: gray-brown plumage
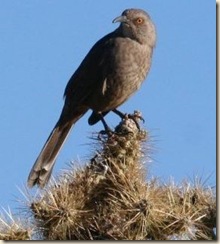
(111, 72)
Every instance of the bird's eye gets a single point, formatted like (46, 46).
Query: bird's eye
(139, 21)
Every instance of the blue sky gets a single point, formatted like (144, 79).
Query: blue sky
(43, 42)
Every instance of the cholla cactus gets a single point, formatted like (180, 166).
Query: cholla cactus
(111, 198)
(12, 228)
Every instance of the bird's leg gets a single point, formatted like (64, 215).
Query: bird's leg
(107, 130)
(120, 114)
(134, 116)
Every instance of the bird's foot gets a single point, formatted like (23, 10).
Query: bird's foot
(136, 117)
(129, 124)
(107, 131)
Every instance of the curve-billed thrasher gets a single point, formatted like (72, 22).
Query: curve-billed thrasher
(110, 73)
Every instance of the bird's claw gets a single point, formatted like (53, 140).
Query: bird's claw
(107, 132)
(135, 117)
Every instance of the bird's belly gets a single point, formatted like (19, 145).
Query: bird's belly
(114, 93)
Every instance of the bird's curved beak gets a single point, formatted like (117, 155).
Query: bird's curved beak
(121, 19)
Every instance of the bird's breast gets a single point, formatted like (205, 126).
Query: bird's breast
(130, 66)
(126, 70)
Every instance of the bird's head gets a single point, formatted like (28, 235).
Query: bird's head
(136, 24)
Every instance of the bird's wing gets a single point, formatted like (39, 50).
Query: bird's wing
(91, 72)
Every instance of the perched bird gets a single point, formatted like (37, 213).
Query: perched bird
(111, 72)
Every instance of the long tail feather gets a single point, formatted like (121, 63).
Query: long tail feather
(42, 168)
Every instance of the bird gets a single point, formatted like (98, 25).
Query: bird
(110, 73)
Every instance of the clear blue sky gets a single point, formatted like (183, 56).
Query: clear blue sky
(43, 42)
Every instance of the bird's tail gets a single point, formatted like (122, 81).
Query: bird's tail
(42, 168)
